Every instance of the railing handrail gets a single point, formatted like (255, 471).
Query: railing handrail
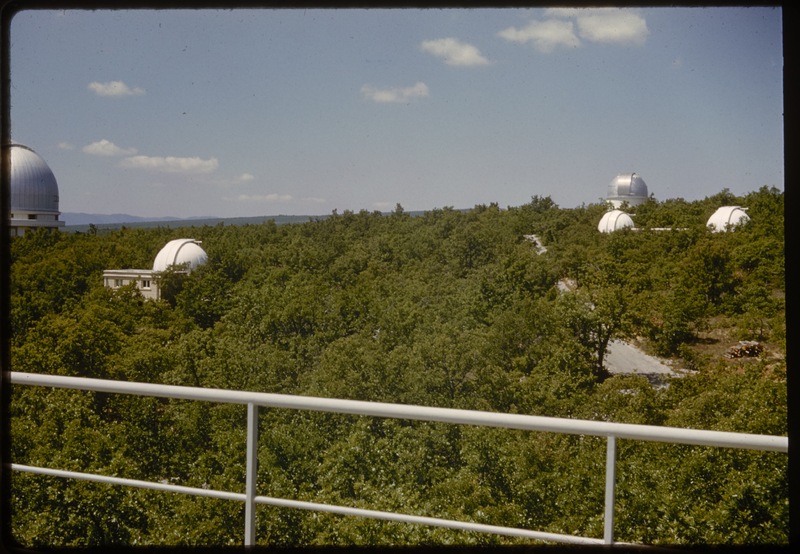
(676, 435)
(253, 400)
(313, 506)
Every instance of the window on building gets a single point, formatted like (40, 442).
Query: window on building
(145, 283)
(117, 283)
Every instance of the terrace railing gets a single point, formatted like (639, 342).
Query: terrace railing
(256, 400)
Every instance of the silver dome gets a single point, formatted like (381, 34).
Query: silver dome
(627, 187)
(33, 185)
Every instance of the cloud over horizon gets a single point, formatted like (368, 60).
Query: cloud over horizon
(171, 164)
(269, 198)
(114, 88)
(394, 95)
(107, 148)
(454, 52)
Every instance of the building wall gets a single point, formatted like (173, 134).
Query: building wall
(22, 220)
(146, 281)
(633, 201)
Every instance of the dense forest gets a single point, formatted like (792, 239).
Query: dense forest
(451, 308)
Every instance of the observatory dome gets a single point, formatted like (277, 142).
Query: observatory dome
(627, 187)
(33, 185)
(614, 221)
(727, 217)
(180, 252)
(33, 191)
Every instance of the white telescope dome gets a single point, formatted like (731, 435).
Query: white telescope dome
(614, 220)
(727, 217)
(182, 253)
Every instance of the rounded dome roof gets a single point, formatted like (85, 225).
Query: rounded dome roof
(628, 187)
(726, 218)
(180, 252)
(33, 186)
(614, 220)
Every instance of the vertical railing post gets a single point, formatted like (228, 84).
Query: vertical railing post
(611, 477)
(251, 477)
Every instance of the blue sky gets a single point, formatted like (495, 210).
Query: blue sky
(267, 112)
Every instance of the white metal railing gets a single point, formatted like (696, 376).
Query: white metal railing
(254, 400)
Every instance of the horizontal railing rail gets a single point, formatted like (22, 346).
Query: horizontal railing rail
(254, 400)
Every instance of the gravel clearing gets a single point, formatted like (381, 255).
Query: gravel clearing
(622, 357)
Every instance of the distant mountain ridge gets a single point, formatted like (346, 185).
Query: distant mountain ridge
(80, 222)
(80, 218)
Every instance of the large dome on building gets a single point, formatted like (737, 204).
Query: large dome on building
(32, 183)
(627, 187)
(727, 217)
(185, 253)
(614, 220)
(33, 192)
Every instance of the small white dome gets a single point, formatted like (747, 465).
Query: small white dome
(727, 217)
(614, 221)
(180, 252)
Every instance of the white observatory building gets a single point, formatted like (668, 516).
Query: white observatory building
(179, 255)
(33, 192)
(627, 187)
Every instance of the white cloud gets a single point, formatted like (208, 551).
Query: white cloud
(546, 36)
(454, 52)
(565, 12)
(66, 146)
(389, 95)
(107, 148)
(315, 200)
(269, 198)
(605, 25)
(246, 177)
(612, 26)
(114, 88)
(171, 164)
